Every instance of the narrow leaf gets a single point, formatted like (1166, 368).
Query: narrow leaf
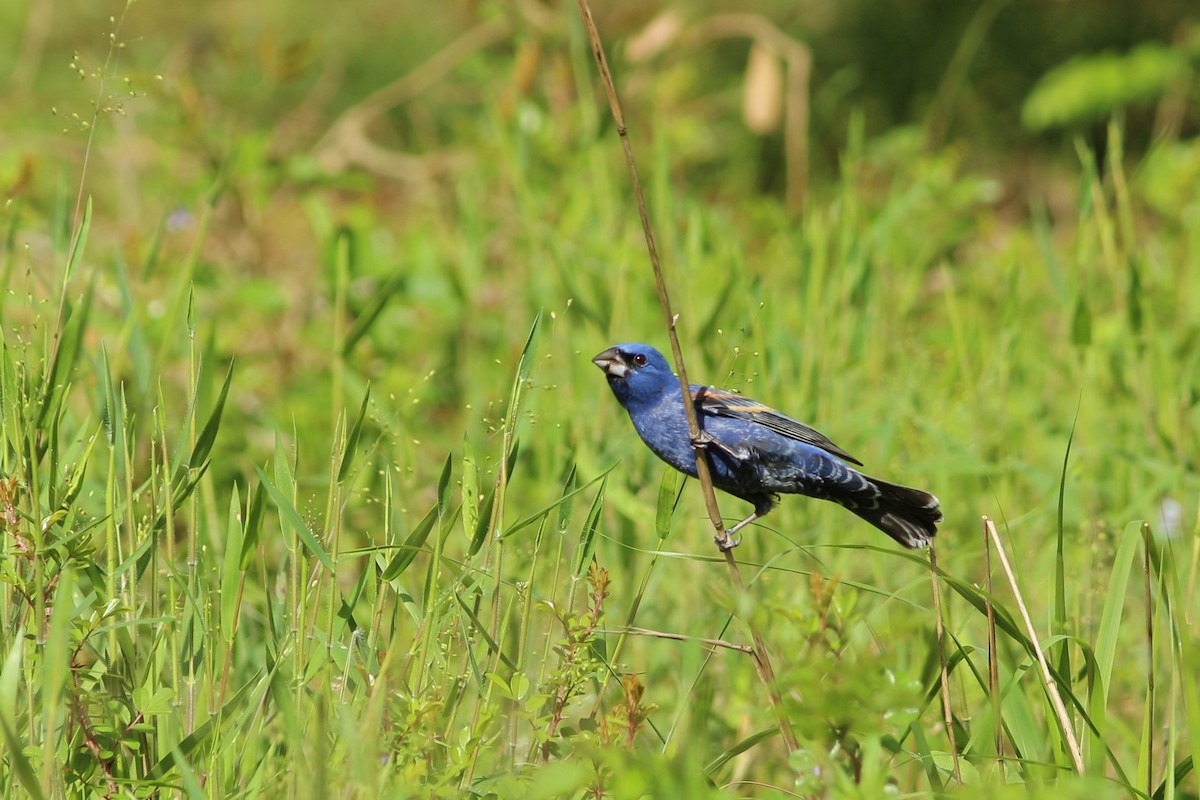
(364, 321)
(231, 575)
(66, 355)
(546, 509)
(412, 544)
(77, 246)
(483, 523)
(253, 526)
(740, 747)
(1060, 577)
(289, 513)
(443, 489)
(346, 612)
(352, 440)
(587, 537)
(10, 680)
(208, 435)
(670, 489)
(1081, 323)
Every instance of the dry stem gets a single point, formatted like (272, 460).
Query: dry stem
(947, 714)
(762, 660)
(1056, 701)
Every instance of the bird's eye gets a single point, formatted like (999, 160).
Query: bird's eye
(639, 360)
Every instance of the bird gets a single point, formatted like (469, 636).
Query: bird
(755, 452)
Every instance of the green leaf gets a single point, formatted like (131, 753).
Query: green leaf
(411, 546)
(481, 630)
(66, 354)
(77, 246)
(483, 523)
(191, 312)
(191, 781)
(1091, 87)
(75, 484)
(253, 527)
(208, 435)
(525, 363)
(1060, 576)
(346, 612)
(288, 512)
(10, 680)
(568, 495)
(364, 321)
(1081, 323)
(1108, 631)
(563, 499)
(352, 440)
(211, 726)
(443, 488)
(670, 489)
(231, 574)
(500, 685)
(108, 399)
(1133, 303)
(1182, 770)
(587, 537)
(152, 252)
(56, 664)
(139, 353)
(470, 494)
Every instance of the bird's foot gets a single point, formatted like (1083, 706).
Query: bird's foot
(729, 538)
(726, 541)
(704, 440)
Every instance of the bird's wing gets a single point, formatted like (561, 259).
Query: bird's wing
(726, 404)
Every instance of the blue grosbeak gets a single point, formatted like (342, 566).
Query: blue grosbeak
(754, 451)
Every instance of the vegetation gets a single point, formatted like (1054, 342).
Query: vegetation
(308, 487)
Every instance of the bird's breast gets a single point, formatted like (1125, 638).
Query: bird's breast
(663, 427)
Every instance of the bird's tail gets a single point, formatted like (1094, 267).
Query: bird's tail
(910, 516)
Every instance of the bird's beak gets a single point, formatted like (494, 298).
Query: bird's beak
(612, 362)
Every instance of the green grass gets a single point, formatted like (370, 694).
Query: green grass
(308, 487)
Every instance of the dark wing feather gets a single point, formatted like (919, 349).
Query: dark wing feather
(726, 404)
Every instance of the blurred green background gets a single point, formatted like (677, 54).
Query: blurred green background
(957, 237)
(491, 120)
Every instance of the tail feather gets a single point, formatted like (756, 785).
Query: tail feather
(910, 516)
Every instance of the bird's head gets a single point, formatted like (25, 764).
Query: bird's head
(636, 372)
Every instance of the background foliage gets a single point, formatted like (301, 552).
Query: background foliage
(309, 487)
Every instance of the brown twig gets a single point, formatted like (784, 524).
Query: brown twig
(1060, 710)
(762, 660)
(347, 142)
(993, 656)
(679, 637)
(947, 713)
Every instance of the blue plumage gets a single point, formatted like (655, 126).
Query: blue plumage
(755, 452)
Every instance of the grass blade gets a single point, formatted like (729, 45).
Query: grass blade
(289, 513)
(9, 684)
(1060, 580)
(364, 321)
(411, 546)
(352, 440)
(670, 490)
(587, 537)
(208, 434)
(80, 242)
(231, 574)
(253, 526)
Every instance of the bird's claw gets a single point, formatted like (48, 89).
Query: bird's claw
(704, 440)
(725, 542)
